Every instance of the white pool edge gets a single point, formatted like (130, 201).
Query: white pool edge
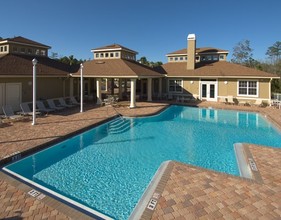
(63, 198)
(148, 193)
(242, 163)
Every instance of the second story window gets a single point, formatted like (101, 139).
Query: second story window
(101, 55)
(22, 50)
(15, 49)
(116, 54)
(111, 54)
(106, 54)
(221, 57)
(97, 55)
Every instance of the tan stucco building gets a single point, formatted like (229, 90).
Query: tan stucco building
(205, 74)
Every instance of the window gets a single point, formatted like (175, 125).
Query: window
(181, 58)
(37, 52)
(43, 53)
(111, 54)
(171, 58)
(5, 48)
(101, 55)
(1, 49)
(248, 88)
(116, 54)
(215, 57)
(29, 51)
(106, 54)
(221, 57)
(15, 49)
(176, 59)
(97, 55)
(22, 50)
(175, 85)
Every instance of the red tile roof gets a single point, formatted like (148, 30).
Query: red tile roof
(117, 68)
(23, 40)
(21, 65)
(221, 69)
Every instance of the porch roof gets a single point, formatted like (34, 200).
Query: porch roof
(220, 69)
(117, 68)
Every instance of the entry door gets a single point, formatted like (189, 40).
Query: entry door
(2, 96)
(209, 91)
(13, 95)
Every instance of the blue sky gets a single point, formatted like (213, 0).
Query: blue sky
(151, 27)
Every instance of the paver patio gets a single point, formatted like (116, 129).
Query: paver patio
(190, 192)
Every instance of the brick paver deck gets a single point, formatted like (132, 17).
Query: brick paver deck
(190, 192)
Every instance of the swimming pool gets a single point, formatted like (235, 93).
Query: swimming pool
(109, 167)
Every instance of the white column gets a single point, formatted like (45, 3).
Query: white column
(99, 101)
(81, 87)
(149, 89)
(34, 62)
(106, 85)
(120, 88)
(133, 93)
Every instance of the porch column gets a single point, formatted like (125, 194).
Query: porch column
(99, 101)
(120, 88)
(133, 93)
(106, 86)
(160, 88)
(149, 89)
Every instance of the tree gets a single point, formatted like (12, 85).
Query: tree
(70, 60)
(274, 52)
(144, 61)
(242, 53)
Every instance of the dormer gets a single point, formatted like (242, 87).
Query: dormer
(21, 45)
(114, 51)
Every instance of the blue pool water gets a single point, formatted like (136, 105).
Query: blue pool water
(109, 167)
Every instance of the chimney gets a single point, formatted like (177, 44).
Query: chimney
(191, 47)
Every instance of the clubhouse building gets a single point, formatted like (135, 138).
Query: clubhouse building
(190, 74)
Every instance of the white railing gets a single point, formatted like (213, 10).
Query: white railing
(276, 96)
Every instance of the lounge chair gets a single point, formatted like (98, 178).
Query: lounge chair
(230, 100)
(52, 105)
(73, 100)
(42, 107)
(258, 102)
(26, 109)
(63, 103)
(9, 112)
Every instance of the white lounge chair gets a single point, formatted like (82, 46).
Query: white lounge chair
(52, 105)
(42, 107)
(258, 102)
(230, 100)
(63, 103)
(26, 109)
(9, 112)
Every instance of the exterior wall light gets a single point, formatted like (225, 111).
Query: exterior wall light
(191, 82)
(225, 82)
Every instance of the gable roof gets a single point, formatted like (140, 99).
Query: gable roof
(198, 51)
(25, 41)
(117, 68)
(113, 47)
(21, 65)
(221, 69)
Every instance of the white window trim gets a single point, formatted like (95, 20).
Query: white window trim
(181, 85)
(247, 80)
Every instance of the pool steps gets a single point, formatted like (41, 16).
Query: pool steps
(120, 125)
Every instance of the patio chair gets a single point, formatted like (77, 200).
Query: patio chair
(9, 112)
(52, 105)
(230, 100)
(26, 109)
(63, 103)
(43, 108)
(73, 100)
(258, 102)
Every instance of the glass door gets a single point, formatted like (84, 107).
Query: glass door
(209, 90)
